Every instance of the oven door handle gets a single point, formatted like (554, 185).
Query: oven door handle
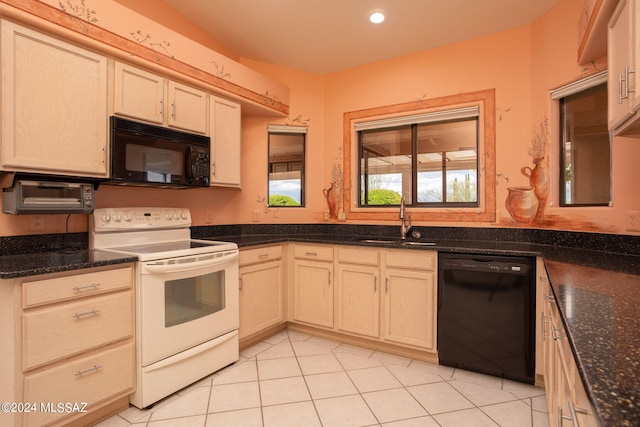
(192, 265)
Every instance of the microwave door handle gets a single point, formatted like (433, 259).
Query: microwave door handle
(175, 268)
(189, 172)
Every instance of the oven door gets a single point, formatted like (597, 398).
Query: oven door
(186, 301)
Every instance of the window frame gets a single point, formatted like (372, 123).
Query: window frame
(288, 130)
(412, 124)
(486, 209)
(559, 95)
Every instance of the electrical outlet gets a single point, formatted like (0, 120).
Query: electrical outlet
(633, 220)
(325, 215)
(256, 215)
(36, 223)
(208, 217)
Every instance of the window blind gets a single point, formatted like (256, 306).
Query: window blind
(436, 116)
(286, 129)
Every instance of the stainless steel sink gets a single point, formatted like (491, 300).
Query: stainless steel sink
(397, 242)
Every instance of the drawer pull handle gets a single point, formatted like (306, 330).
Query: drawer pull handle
(549, 298)
(90, 286)
(311, 253)
(263, 256)
(86, 371)
(544, 326)
(86, 313)
(555, 332)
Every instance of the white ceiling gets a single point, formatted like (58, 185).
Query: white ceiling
(323, 36)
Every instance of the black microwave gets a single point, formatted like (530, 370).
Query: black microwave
(143, 154)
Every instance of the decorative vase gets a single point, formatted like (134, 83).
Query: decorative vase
(329, 194)
(522, 203)
(539, 181)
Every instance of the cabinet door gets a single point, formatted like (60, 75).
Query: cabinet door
(260, 297)
(410, 308)
(187, 108)
(54, 105)
(549, 351)
(138, 94)
(225, 142)
(313, 292)
(358, 302)
(621, 63)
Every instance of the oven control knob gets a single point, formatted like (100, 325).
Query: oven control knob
(116, 217)
(175, 215)
(105, 217)
(127, 217)
(167, 216)
(183, 215)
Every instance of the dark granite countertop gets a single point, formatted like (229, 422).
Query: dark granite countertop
(597, 291)
(32, 264)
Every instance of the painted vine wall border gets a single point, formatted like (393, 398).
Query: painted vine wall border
(33, 12)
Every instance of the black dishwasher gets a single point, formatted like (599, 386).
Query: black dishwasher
(486, 314)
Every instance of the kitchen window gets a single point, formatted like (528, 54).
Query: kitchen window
(431, 161)
(585, 146)
(286, 165)
(439, 154)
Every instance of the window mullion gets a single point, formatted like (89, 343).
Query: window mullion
(414, 164)
(444, 176)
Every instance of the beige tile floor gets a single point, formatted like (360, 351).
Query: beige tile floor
(293, 379)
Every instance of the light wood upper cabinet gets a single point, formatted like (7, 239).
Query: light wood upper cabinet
(225, 142)
(146, 96)
(138, 94)
(622, 76)
(187, 108)
(624, 69)
(54, 105)
(592, 35)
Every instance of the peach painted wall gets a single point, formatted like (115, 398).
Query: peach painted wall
(522, 65)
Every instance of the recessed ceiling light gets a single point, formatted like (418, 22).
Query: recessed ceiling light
(377, 16)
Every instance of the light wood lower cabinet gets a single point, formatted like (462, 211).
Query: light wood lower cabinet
(313, 285)
(261, 284)
(358, 291)
(410, 296)
(384, 295)
(567, 401)
(87, 379)
(70, 343)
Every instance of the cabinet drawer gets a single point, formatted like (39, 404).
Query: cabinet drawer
(54, 332)
(359, 256)
(322, 253)
(425, 260)
(89, 379)
(75, 286)
(254, 256)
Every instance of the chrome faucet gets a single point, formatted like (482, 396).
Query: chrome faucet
(404, 227)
